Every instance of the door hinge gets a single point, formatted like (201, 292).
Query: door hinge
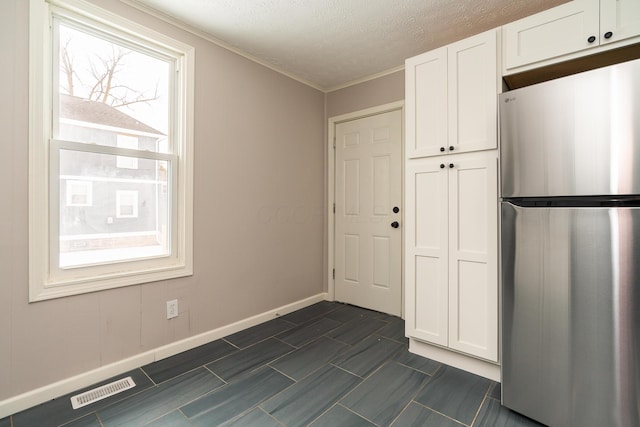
(334, 208)
(334, 142)
(334, 274)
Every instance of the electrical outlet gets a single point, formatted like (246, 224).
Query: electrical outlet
(172, 309)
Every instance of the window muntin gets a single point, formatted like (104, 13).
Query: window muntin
(118, 212)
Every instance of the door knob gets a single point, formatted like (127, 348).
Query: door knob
(396, 209)
(608, 35)
(450, 165)
(591, 39)
(395, 224)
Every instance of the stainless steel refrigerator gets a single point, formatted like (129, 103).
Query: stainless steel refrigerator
(570, 233)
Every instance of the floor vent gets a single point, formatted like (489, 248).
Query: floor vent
(102, 392)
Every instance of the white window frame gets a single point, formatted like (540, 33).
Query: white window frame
(46, 279)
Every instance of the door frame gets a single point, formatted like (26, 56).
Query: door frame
(331, 181)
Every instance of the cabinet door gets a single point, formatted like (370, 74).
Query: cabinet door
(621, 18)
(473, 93)
(426, 239)
(558, 31)
(473, 255)
(426, 103)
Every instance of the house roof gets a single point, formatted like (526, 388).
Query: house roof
(85, 110)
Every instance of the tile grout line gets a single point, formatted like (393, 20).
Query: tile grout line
(230, 343)
(440, 413)
(345, 370)
(356, 413)
(99, 419)
(363, 379)
(415, 369)
(413, 396)
(73, 420)
(258, 408)
(403, 409)
(240, 415)
(484, 399)
(284, 342)
(321, 414)
(147, 375)
(280, 372)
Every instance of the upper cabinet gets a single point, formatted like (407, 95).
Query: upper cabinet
(576, 28)
(451, 98)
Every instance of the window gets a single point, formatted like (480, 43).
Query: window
(110, 151)
(79, 193)
(126, 204)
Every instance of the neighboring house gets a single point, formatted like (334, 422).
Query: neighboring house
(109, 201)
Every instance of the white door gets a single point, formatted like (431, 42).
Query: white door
(368, 192)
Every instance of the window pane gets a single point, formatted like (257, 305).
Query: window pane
(128, 216)
(107, 92)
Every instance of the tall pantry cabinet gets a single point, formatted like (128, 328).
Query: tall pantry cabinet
(451, 200)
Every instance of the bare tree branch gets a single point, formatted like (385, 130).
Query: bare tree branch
(66, 62)
(105, 87)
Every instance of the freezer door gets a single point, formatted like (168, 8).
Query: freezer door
(578, 135)
(571, 315)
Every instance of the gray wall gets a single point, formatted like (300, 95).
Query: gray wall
(258, 217)
(385, 89)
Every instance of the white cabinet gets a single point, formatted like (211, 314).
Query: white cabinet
(451, 200)
(621, 18)
(451, 257)
(576, 28)
(451, 104)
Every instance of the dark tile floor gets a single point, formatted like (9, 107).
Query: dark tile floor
(329, 364)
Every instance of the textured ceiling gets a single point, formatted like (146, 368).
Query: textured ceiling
(331, 43)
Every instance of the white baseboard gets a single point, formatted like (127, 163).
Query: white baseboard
(43, 394)
(457, 360)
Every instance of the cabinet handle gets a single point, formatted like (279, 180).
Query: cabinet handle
(450, 165)
(591, 39)
(608, 35)
(441, 165)
(451, 148)
(395, 224)
(442, 149)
